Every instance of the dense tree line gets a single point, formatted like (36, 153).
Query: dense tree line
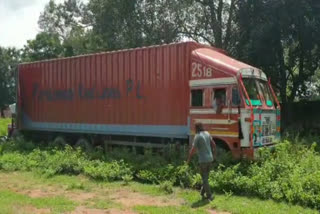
(282, 37)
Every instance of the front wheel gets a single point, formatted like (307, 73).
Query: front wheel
(224, 155)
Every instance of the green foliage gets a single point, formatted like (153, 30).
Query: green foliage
(127, 179)
(77, 185)
(112, 171)
(9, 59)
(167, 187)
(9, 201)
(196, 181)
(289, 173)
(252, 205)
(4, 126)
(147, 176)
(12, 162)
(168, 210)
(66, 161)
(44, 46)
(281, 37)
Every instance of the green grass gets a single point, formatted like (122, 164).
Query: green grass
(239, 205)
(4, 126)
(190, 200)
(152, 190)
(291, 174)
(9, 201)
(104, 204)
(168, 210)
(243, 205)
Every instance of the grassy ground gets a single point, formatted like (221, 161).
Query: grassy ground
(22, 192)
(4, 126)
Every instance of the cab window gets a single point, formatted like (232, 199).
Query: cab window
(266, 93)
(235, 97)
(197, 98)
(220, 95)
(253, 91)
(219, 100)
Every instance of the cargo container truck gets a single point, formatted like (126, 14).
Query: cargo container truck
(149, 96)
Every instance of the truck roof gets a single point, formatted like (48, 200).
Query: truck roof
(220, 61)
(191, 43)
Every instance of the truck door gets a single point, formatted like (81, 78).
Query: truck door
(225, 122)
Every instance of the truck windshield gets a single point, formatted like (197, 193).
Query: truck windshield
(253, 91)
(266, 92)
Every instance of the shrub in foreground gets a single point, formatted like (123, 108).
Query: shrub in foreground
(291, 173)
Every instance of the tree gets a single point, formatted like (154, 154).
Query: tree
(210, 21)
(62, 19)
(44, 46)
(114, 22)
(281, 37)
(132, 23)
(157, 23)
(9, 59)
(68, 21)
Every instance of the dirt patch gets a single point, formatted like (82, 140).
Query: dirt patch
(30, 209)
(132, 199)
(116, 211)
(217, 212)
(81, 196)
(39, 193)
(84, 210)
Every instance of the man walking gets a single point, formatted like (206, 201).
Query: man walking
(204, 145)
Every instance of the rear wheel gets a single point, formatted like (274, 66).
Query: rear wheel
(84, 145)
(59, 142)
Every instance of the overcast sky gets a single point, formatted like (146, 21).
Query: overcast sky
(19, 21)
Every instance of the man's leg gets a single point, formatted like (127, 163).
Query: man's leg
(202, 173)
(204, 170)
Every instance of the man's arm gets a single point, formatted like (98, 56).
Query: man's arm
(193, 149)
(191, 153)
(214, 149)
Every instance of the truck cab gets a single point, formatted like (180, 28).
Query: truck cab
(234, 101)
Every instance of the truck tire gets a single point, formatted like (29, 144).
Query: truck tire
(84, 145)
(224, 155)
(59, 142)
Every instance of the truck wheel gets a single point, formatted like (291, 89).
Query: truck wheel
(224, 155)
(17, 135)
(84, 145)
(59, 142)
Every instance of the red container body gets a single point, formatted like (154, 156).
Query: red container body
(141, 91)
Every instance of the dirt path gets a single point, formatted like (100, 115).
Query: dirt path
(132, 199)
(96, 200)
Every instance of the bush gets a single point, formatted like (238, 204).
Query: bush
(115, 170)
(12, 162)
(126, 179)
(166, 187)
(66, 161)
(290, 173)
(148, 176)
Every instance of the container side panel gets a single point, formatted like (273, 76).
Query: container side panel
(110, 92)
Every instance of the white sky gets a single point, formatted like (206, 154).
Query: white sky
(19, 21)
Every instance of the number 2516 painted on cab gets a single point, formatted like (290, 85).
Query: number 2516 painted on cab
(199, 70)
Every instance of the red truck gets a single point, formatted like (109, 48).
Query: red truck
(151, 95)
